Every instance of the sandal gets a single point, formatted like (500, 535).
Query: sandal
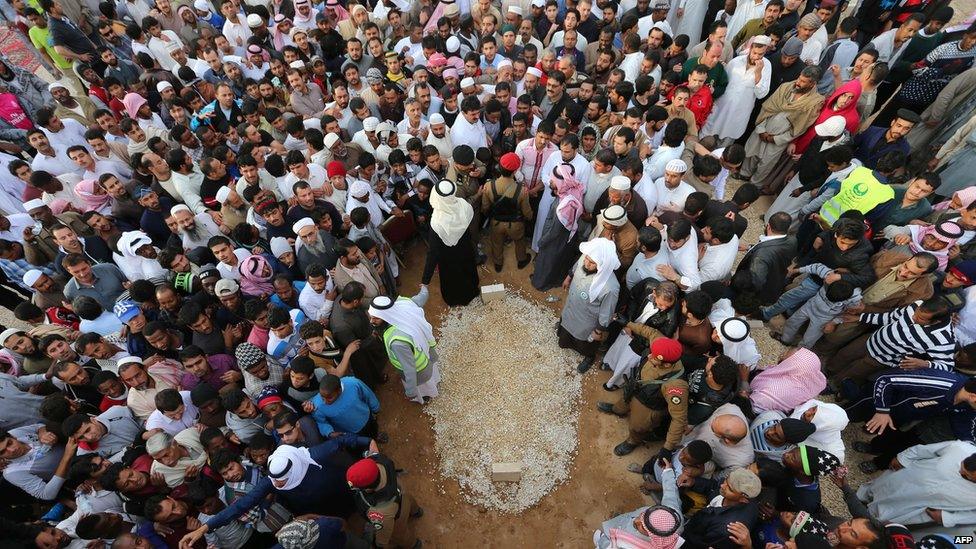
(635, 468)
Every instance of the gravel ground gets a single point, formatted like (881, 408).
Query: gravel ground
(509, 395)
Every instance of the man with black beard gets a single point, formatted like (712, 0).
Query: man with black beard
(352, 268)
(440, 135)
(316, 246)
(593, 290)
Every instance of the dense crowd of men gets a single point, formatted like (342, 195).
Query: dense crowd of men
(204, 215)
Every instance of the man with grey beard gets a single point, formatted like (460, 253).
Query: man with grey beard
(316, 247)
(194, 230)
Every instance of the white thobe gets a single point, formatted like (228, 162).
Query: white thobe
(237, 33)
(671, 200)
(599, 182)
(644, 267)
(810, 54)
(654, 166)
(317, 176)
(690, 23)
(929, 478)
(56, 165)
(646, 190)
(374, 204)
(445, 145)
(233, 271)
(717, 262)
(18, 222)
(11, 189)
(730, 117)
(684, 260)
(160, 49)
(745, 11)
(73, 133)
(631, 65)
(466, 133)
(314, 304)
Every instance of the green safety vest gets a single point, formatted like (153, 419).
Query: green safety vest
(860, 191)
(420, 359)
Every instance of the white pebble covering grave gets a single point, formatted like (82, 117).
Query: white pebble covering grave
(508, 394)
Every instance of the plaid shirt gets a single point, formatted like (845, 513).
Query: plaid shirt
(15, 269)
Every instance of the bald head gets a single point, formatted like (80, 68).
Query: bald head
(729, 428)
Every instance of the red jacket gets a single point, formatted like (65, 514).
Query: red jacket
(700, 104)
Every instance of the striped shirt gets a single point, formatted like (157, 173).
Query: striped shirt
(900, 336)
(758, 436)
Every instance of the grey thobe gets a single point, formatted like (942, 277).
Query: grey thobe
(762, 157)
(17, 406)
(581, 315)
(929, 478)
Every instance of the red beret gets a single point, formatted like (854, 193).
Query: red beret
(669, 350)
(510, 161)
(363, 473)
(335, 168)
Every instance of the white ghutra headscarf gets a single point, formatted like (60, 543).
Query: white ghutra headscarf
(452, 215)
(407, 317)
(290, 464)
(603, 252)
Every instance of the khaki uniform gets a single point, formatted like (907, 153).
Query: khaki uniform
(659, 393)
(388, 509)
(500, 230)
(467, 189)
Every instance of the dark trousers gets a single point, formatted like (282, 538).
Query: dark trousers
(371, 429)
(853, 362)
(889, 444)
(583, 347)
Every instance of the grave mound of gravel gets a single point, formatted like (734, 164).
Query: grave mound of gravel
(508, 394)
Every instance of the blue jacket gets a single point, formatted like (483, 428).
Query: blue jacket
(350, 412)
(912, 395)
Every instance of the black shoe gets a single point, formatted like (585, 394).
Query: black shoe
(585, 365)
(624, 448)
(417, 513)
(607, 408)
(418, 545)
(863, 447)
(868, 467)
(498, 268)
(610, 388)
(522, 264)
